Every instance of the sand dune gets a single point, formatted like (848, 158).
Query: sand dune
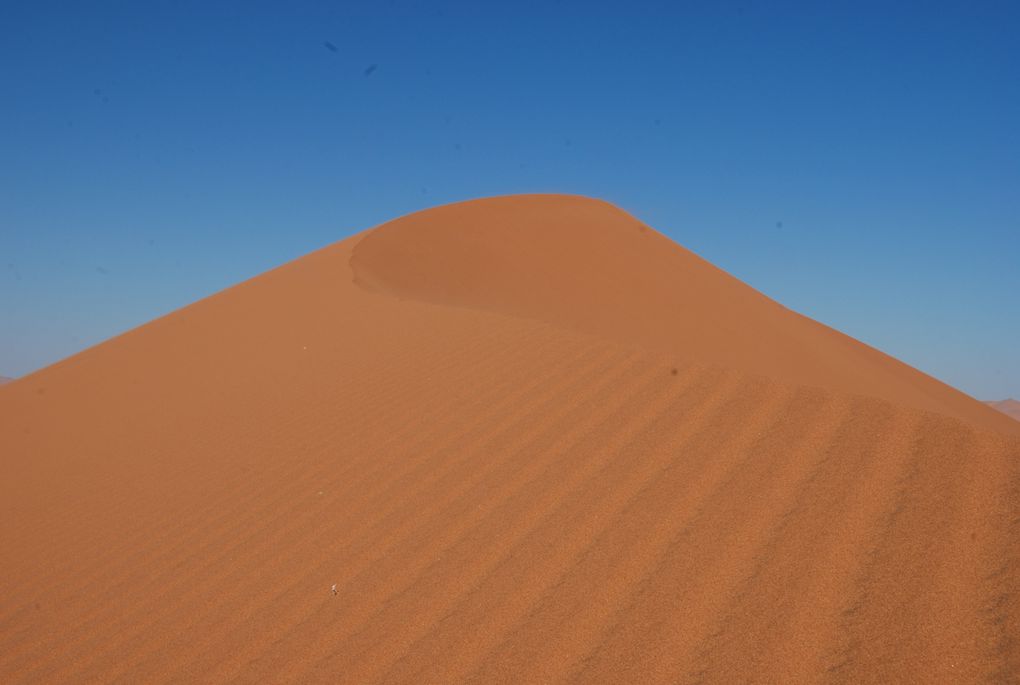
(1008, 407)
(5, 379)
(521, 440)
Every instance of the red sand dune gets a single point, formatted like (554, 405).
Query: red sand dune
(1008, 407)
(521, 440)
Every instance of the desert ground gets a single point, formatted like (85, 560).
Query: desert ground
(523, 439)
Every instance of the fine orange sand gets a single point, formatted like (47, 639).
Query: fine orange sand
(1008, 407)
(514, 440)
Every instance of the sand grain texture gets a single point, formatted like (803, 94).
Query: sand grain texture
(520, 440)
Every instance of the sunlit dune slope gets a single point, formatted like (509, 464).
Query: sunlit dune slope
(329, 474)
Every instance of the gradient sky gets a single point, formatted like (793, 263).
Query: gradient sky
(859, 162)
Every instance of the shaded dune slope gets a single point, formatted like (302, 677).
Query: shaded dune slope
(500, 491)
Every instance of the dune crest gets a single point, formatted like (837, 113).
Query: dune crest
(391, 462)
(589, 265)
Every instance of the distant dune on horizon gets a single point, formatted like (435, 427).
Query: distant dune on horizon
(1009, 407)
(519, 439)
(5, 379)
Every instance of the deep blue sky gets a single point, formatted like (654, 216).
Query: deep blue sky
(859, 162)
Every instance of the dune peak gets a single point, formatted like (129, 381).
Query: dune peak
(588, 265)
(1010, 407)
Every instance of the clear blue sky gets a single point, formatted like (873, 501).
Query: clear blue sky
(859, 162)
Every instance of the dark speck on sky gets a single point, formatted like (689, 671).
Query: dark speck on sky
(371, 69)
(329, 46)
